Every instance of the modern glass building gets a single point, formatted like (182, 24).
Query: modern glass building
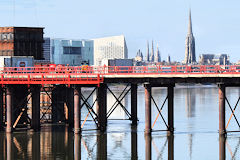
(71, 52)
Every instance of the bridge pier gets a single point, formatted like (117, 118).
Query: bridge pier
(35, 123)
(77, 110)
(148, 108)
(9, 92)
(222, 92)
(70, 106)
(134, 117)
(1, 110)
(170, 92)
(58, 104)
(101, 107)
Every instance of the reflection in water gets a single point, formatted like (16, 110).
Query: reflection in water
(190, 102)
(124, 142)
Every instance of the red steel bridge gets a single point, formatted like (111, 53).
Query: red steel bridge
(20, 84)
(95, 75)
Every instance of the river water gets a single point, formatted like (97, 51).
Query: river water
(195, 138)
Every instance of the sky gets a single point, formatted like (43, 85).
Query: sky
(216, 23)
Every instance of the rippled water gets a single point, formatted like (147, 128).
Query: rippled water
(196, 132)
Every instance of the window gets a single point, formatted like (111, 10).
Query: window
(72, 50)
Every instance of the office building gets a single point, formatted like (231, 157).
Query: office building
(109, 48)
(21, 41)
(72, 52)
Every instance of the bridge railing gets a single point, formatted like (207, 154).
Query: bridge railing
(110, 70)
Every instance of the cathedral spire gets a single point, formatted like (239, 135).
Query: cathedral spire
(147, 54)
(157, 57)
(152, 53)
(190, 23)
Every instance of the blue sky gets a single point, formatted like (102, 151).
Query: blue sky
(216, 23)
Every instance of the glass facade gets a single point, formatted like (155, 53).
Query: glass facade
(71, 52)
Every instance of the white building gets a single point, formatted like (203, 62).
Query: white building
(109, 48)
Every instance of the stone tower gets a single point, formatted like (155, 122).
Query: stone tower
(147, 54)
(190, 57)
(152, 54)
(157, 57)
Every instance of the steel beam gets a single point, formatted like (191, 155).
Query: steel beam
(35, 123)
(1, 110)
(221, 91)
(134, 104)
(170, 108)
(9, 107)
(148, 114)
(101, 107)
(77, 110)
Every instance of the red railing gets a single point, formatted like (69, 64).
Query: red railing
(95, 75)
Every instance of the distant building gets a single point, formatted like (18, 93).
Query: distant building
(21, 41)
(109, 48)
(117, 62)
(139, 56)
(71, 52)
(157, 57)
(46, 49)
(190, 56)
(214, 59)
(147, 53)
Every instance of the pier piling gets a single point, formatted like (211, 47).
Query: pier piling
(77, 110)
(101, 107)
(35, 123)
(134, 117)
(9, 109)
(221, 91)
(170, 90)
(1, 110)
(148, 114)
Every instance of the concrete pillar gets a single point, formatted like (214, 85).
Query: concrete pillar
(170, 109)
(1, 110)
(77, 146)
(70, 105)
(9, 109)
(134, 150)
(101, 107)
(170, 139)
(148, 146)
(221, 91)
(134, 104)
(148, 113)
(102, 146)
(35, 123)
(222, 147)
(77, 110)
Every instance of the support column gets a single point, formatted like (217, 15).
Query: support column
(35, 123)
(222, 147)
(70, 105)
(170, 139)
(9, 146)
(77, 110)
(148, 146)
(148, 114)
(134, 151)
(9, 109)
(58, 98)
(102, 146)
(1, 110)
(101, 107)
(77, 146)
(134, 104)
(221, 91)
(170, 108)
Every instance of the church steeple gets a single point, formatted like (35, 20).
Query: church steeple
(190, 56)
(190, 23)
(147, 54)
